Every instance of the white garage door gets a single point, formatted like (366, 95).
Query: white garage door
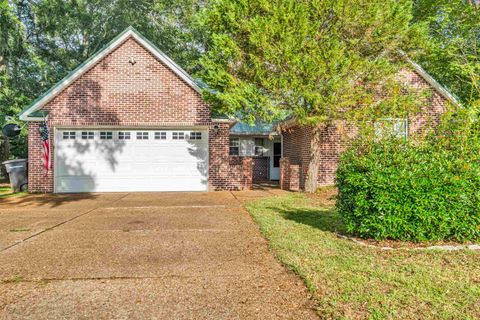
(131, 160)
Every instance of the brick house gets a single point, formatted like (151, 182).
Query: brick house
(130, 119)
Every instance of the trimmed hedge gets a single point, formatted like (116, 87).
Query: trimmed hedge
(413, 192)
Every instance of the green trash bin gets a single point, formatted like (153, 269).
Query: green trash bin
(17, 172)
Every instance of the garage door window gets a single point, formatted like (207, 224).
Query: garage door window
(142, 135)
(87, 135)
(106, 135)
(178, 135)
(69, 135)
(195, 135)
(124, 136)
(162, 135)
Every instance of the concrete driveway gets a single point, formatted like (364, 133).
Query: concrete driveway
(141, 256)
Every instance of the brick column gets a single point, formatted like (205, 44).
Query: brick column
(247, 173)
(219, 177)
(294, 178)
(38, 182)
(285, 173)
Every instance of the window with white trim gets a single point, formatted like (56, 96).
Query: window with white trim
(160, 135)
(195, 135)
(69, 135)
(142, 135)
(259, 144)
(123, 135)
(385, 128)
(178, 135)
(234, 146)
(106, 135)
(87, 135)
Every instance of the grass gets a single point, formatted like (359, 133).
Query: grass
(19, 230)
(350, 281)
(14, 279)
(6, 192)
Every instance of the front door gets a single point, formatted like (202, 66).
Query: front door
(275, 161)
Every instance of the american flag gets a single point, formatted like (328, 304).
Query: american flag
(47, 159)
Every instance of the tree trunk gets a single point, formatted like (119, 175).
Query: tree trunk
(311, 182)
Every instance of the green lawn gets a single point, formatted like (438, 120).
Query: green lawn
(6, 192)
(355, 282)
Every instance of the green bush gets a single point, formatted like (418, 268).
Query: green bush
(414, 191)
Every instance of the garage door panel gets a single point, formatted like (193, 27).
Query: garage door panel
(87, 184)
(109, 165)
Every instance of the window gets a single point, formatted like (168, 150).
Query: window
(195, 136)
(124, 135)
(178, 135)
(142, 135)
(259, 142)
(68, 135)
(162, 135)
(87, 135)
(385, 128)
(234, 147)
(106, 135)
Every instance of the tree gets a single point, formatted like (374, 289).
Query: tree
(12, 49)
(65, 33)
(453, 54)
(312, 60)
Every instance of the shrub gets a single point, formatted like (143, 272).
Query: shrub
(415, 191)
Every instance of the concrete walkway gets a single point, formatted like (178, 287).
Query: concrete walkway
(141, 256)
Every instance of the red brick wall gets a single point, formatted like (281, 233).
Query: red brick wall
(290, 175)
(297, 139)
(115, 93)
(226, 172)
(38, 181)
(434, 105)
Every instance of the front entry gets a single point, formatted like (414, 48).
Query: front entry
(275, 161)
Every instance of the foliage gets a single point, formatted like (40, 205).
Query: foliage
(6, 192)
(350, 281)
(414, 190)
(452, 54)
(308, 58)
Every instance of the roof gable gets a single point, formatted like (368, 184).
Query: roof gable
(31, 113)
(444, 92)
